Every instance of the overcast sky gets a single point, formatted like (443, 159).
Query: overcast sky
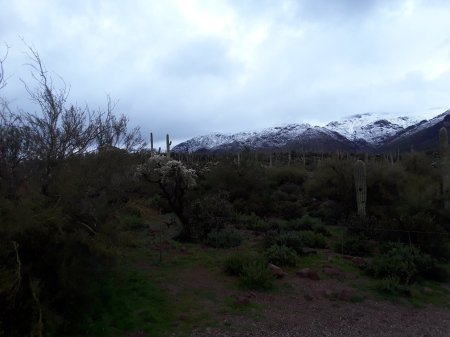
(188, 67)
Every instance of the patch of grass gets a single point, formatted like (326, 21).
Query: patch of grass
(419, 294)
(346, 265)
(126, 302)
(316, 260)
(233, 307)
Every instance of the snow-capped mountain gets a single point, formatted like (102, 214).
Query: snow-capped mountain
(362, 132)
(420, 136)
(370, 127)
(266, 138)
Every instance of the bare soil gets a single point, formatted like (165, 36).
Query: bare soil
(214, 305)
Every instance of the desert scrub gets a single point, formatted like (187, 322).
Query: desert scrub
(296, 240)
(406, 264)
(355, 245)
(290, 239)
(225, 238)
(308, 222)
(253, 222)
(392, 285)
(252, 270)
(256, 275)
(312, 239)
(234, 265)
(281, 256)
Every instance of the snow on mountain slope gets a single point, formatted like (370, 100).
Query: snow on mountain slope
(423, 124)
(364, 131)
(373, 128)
(270, 137)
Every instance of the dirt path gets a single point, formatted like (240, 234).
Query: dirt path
(306, 308)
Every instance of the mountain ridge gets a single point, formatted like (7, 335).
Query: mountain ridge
(360, 132)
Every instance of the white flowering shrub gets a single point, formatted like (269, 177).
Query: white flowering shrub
(174, 180)
(167, 172)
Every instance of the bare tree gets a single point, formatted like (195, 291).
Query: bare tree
(2, 70)
(113, 131)
(60, 130)
(14, 145)
(13, 141)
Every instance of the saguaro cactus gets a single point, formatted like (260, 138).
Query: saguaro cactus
(445, 166)
(151, 143)
(168, 143)
(360, 187)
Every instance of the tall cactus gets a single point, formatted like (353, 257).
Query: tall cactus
(360, 187)
(151, 143)
(168, 143)
(445, 166)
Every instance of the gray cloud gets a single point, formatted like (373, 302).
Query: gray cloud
(192, 67)
(198, 58)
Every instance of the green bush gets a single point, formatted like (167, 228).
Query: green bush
(281, 256)
(256, 275)
(234, 264)
(208, 213)
(253, 222)
(308, 222)
(406, 263)
(290, 239)
(313, 240)
(397, 263)
(296, 240)
(252, 270)
(392, 285)
(224, 238)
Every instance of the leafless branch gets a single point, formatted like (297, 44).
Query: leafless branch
(112, 131)
(60, 130)
(2, 70)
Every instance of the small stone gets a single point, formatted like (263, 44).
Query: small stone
(309, 251)
(276, 271)
(328, 293)
(308, 273)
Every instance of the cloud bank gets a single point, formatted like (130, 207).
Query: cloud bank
(189, 67)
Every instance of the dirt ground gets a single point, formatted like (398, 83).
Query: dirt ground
(216, 306)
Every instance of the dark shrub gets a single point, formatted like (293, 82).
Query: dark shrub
(234, 265)
(313, 240)
(224, 238)
(256, 275)
(356, 245)
(281, 256)
(253, 222)
(208, 213)
(252, 270)
(406, 263)
(296, 240)
(288, 209)
(290, 239)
